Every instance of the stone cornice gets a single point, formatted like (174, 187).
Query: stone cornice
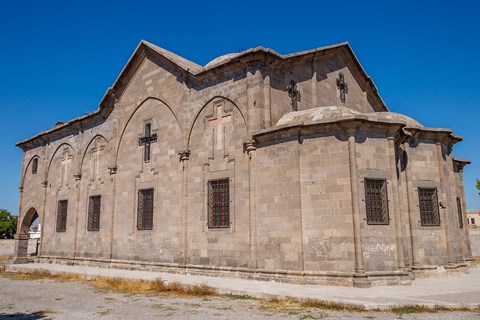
(74, 126)
(344, 124)
(441, 135)
(459, 164)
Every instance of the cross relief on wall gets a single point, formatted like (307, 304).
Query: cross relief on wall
(95, 153)
(217, 125)
(342, 87)
(146, 141)
(294, 94)
(66, 159)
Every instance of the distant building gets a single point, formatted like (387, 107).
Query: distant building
(473, 218)
(35, 232)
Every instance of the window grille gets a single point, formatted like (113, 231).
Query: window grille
(94, 204)
(145, 209)
(428, 203)
(460, 213)
(34, 166)
(376, 201)
(219, 203)
(62, 215)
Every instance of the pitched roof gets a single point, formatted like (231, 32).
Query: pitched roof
(198, 71)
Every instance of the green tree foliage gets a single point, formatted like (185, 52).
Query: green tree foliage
(8, 224)
(478, 184)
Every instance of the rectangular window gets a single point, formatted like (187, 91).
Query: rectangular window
(62, 215)
(94, 213)
(460, 213)
(145, 209)
(473, 221)
(428, 203)
(376, 201)
(219, 203)
(34, 166)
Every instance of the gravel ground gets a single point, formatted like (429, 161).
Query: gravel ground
(49, 299)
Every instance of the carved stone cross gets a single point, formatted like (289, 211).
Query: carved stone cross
(294, 94)
(147, 140)
(342, 86)
(66, 159)
(218, 125)
(96, 151)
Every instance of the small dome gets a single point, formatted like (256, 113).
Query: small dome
(393, 116)
(316, 114)
(221, 59)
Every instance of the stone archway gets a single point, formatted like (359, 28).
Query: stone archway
(22, 236)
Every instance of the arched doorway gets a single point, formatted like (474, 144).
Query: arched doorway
(23, 235)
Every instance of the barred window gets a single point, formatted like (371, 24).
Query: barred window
(62, 215)
(94, 204)
(376, 201)
(428, 203)
(460, 213)
(219, 203)
(145, 209)
(34, 166)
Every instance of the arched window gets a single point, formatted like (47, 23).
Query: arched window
(34, 166)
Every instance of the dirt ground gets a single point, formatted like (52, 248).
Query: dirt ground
(50, 299)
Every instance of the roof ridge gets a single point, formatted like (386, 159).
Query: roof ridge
(179, 60)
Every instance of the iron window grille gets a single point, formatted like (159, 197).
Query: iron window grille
(145, 209)
(460, 213)
(376, 201)
(62, 216)
(94, 204)
(35, 166)
(428, 203)
(219, 203)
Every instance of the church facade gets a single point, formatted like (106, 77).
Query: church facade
(257, 165)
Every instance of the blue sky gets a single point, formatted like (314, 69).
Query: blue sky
(57, 58)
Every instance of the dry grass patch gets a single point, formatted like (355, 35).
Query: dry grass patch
(43, 274)
(477, 260)
(292, 305)
(121, 285)
(238, 296)
(407, 309)
(128, 286)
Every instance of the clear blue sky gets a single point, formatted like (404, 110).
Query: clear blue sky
(57, 58)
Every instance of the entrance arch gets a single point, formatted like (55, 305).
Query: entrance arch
(22, 236)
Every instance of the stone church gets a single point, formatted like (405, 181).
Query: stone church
(257, 165)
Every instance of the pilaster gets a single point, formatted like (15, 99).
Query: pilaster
(360, 278)
(445, 209)
(184, 159)
(412, 217)
(395, 209)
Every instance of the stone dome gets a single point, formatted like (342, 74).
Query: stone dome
(337, 112)
(221, 59)
(317, 114)
(393, 116)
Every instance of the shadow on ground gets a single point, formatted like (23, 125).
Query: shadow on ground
(23, 316)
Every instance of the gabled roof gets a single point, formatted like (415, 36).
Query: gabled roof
(198, 71)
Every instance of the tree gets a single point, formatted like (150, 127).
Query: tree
(478, 184)
(8, 224)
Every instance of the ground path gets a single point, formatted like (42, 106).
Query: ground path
(463, 290)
